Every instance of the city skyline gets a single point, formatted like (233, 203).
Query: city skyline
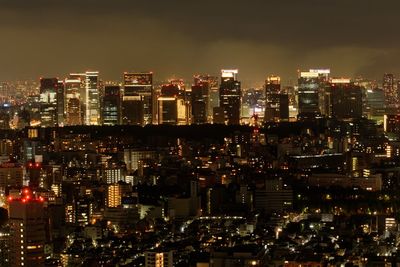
(199, 133)
(174, 39)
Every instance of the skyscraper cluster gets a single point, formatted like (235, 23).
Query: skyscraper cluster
(83, 99)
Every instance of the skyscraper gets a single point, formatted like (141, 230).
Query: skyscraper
(48, 102)
(137, 100)
(345, 99)
(73, 101)
(92, 103)
(230, 96)
(199, 103)
(81, 89)
(389, 88)
(201, 98)
(171, 106)
(111, 105)
(60, 103)
(311, 84)
(27, 231)
(276, 102)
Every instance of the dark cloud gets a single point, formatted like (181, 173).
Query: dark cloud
(176, 37)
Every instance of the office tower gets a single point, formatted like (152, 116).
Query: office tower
(273, 85)
(137, 100)
(60, 103)
(171, 105)
(73, 100)
(184, 93)
(230, 96)
(345, 99)
(311, 86)
(111, 105)
(27, 231)
(213, 95)
(48, 101)
(92, 103)
(200, 100)
(388, 86)
(82, 92)
(276, 102)
(375, 106)
(213, 92)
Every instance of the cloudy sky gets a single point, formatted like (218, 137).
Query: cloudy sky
(182, 37)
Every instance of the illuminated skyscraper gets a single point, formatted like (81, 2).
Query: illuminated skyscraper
(60, 103)
(27, 231)
(92, 103)
(230, 96)
(73, 101)
(112, 105)
(389, 88)
(137, 100)
(48, 102)
(205, 96)
(200, 103)
(171, 106)
(311, 84)
(276, 102)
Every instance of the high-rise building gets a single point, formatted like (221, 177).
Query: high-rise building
(389, 88)
(137, 100)
(73, 101)
(200, 100)
(27, 231)
(81, 89)
(311, 86)
(345, 99)
(115, 192)
(111, 105)
(375, 107)
(214, 97)
(230, 96)
(213, 92)
(60, 103)
(276, 102)
(48, 102)
(171, 105)
(184, 93)
(92, 103)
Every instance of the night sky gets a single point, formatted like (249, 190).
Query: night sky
(180, 38)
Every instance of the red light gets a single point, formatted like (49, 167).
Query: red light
(28, 197)
(41, 199)
(26, 191)
(10, 198)
(24, 200)
(37, 165)
(30, 164)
